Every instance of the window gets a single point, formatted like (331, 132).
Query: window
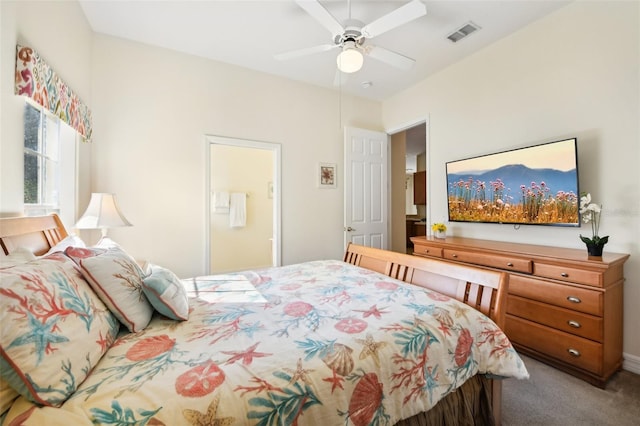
(49, 164)
(41, 161)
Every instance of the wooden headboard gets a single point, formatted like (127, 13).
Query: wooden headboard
(37, 234)
(482, 289)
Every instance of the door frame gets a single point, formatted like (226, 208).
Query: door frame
(407, 125)
(276, 150)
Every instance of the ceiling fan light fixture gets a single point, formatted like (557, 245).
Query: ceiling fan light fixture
(350, 59)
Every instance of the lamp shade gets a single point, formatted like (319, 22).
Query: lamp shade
(350, 59)
(102, 213)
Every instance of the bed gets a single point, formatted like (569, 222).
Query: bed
(375, 338)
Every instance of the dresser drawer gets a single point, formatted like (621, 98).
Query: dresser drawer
(563, 273)
(426, 250)
(574, 350)
(496, 261)
(565, 296)
(583, 325)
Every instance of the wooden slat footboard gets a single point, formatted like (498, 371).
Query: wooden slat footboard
(482, 289)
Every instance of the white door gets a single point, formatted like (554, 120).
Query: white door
(366, 214)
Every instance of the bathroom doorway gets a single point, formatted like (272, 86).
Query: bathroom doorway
(243, 200)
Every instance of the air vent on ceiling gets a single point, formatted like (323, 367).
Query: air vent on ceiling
(463, 31)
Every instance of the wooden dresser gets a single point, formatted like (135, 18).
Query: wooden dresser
(563, 308)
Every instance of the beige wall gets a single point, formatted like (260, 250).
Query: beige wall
(573, 73)
(61, 35)
(153, 108)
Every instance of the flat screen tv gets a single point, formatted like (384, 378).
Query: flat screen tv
(535, 185)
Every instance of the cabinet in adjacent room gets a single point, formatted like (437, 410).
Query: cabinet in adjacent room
(415, 228)
(563, 307)
(420, 188)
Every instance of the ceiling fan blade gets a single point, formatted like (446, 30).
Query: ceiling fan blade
(410, 11)
(306, 51)
(392, 58)
(322, 15)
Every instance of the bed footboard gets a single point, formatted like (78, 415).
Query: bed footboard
(482, 289)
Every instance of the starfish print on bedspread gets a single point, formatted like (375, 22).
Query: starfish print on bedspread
(299, 373)
(372, 311)
(209, 418)
(246, 356)
(371, 348)
(335, 380)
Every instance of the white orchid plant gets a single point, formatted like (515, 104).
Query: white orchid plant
(591, 214)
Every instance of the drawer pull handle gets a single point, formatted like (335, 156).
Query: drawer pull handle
(573, 299)
(509, 264)
(574, 352)
(564, 275)
(454, 255)
(574, 324)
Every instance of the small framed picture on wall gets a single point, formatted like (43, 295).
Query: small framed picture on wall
(327, 175)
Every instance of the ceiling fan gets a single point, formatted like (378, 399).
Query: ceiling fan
(352, 36)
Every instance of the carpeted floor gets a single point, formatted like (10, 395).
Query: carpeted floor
(551, 397)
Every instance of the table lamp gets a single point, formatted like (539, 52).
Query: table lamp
(102, 213)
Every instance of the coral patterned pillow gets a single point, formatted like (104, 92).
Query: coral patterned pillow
(117, 280)
(166, 293)
(54, 329)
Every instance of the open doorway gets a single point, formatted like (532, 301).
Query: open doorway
(408, 186)
(243, 210)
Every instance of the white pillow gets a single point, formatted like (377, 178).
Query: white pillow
(106, 243)
(166, 293)
(69, 241)
(117, 280)
(17, 257)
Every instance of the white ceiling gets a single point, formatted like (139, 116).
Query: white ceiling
(249, 33)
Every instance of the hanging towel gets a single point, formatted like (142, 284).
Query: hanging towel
(238, 210)
(221, 202)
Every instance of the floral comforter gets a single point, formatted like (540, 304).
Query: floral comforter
(322, 342)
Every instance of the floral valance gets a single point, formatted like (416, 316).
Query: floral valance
(36, 79)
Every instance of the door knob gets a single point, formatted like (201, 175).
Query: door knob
(349, 229)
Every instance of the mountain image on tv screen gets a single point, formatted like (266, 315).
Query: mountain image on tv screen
(532, 185)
